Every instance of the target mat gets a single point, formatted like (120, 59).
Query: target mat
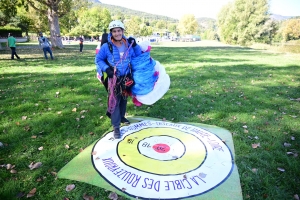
(161, 160)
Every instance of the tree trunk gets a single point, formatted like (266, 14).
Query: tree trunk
(54, 29)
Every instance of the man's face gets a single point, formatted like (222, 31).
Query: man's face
(117, 33)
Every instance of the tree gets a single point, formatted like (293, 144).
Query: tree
(145, 30)
(291, 29)
(226, 24)
(71, 19)
(53, 9)
(8, 9)
(243, 21)
(188, 25)
(92, 21)
(132, 26)
(161, 25)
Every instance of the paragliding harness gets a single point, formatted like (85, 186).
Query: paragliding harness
(123, 83)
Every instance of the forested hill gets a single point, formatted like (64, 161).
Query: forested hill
(129, 12)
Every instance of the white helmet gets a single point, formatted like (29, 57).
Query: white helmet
(116, 24)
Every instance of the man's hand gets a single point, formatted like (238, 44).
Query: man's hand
(132, 40)
(110, 72)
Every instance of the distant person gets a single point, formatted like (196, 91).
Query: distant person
(80, 44)
(45, 45)
(104, 37)
(11, 42)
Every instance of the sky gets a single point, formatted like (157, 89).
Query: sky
(200, 8)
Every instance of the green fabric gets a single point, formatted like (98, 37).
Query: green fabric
(81, 168)
(11, 41)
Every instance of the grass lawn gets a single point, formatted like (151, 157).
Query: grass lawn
(252, 93)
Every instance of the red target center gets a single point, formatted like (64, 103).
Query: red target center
(161, 148)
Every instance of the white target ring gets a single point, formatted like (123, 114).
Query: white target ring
(163, 160)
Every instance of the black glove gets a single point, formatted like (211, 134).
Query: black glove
(110, 72)
(132, 40)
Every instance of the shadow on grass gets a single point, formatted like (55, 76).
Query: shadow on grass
(225, 86)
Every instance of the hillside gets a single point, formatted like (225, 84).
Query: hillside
(279, 17)
(130, 12)
(206, 23)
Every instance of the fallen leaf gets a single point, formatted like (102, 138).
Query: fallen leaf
(59, 112)
(123, 189)
(24, 117)
(54, 173)
(164, 119)
(35, 165)
(74, 109)
(13, 171)
(41, 148)
(254, 146)
(113, 196)
(38, 179)
(31, 193)
(295, 155)
(254, 170)
(86, 197)
(292, 138)
(287, 144)
(82, 117)
(101, 117)
(67, 146)
(245, 126)
(83, 111)
(34, 136)
(70, 187)
(9, 166)
(94, 152)
(246, 131)
(81, 150)
(18, 123)
(57, 93)
(281, 169)
(91, 133)
(97, 158)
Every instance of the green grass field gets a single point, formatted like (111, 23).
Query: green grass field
(252, 93)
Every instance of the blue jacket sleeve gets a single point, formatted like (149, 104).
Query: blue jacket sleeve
(100, 59)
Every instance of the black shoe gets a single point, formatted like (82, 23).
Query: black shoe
(117, 133)
(125, 121)
(18, 58)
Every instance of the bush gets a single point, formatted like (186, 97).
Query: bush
(4, 31)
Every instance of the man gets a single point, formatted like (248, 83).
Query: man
(114, 59)
(45, 45)
(80, 43)
(11, 42)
